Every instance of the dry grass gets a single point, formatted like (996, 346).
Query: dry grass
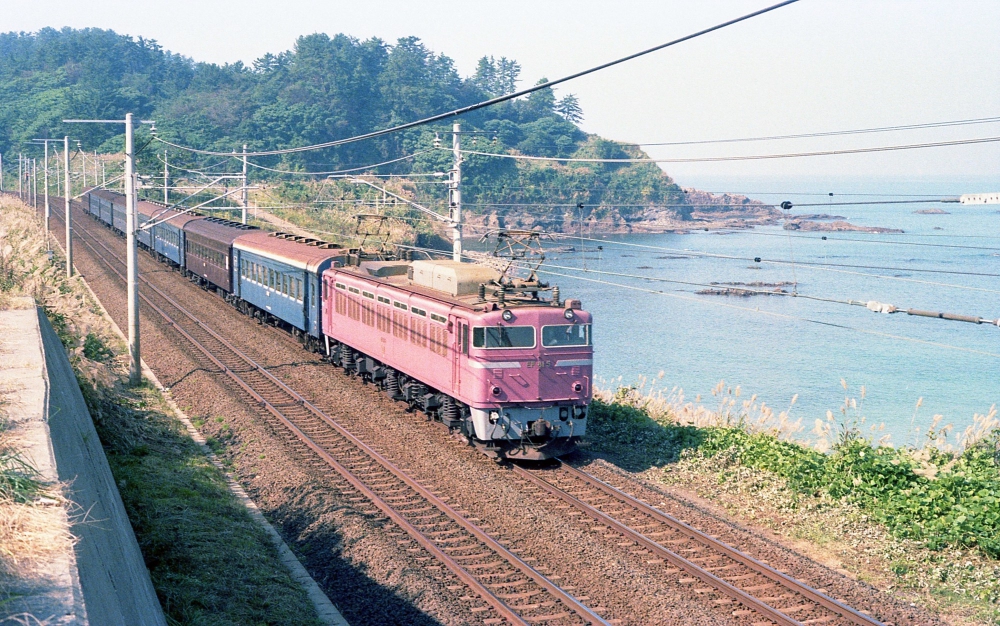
(731, 408)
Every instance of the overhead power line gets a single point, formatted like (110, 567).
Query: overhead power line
(775, 314)
(346, 171)
(818, 264)
(749, 157)
(875, 241)
(872, 305)
(492, 101)
(832, 133)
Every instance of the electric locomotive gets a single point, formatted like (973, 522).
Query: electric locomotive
(488, 356)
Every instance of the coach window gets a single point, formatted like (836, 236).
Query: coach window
(503, 337)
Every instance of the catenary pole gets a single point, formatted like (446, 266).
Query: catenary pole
(20, 174)
(131, 256)
(1, 171)
(455, 189)
(46, 165)
(68, 187)
(34, 184)
(244, 198)
(166, 180)
(135, 371)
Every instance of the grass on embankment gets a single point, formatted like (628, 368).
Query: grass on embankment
(922, 522)
(209, 561)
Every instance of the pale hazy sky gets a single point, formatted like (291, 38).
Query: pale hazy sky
(817, 65)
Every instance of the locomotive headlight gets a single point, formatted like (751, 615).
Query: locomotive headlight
(495, 390)
(507, 315)
(578, 386)
(568, 314)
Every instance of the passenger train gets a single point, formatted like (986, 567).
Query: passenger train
(487, 356)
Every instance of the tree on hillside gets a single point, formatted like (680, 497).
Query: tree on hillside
(569, 107)
(497, 77)
(540, 103)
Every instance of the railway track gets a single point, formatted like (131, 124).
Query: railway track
(729, 575)
(509, 588)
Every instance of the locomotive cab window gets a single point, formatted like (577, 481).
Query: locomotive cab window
(503, 337)
(561, 335)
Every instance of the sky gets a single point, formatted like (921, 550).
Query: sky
(814, 66)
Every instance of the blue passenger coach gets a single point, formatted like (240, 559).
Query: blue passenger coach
(166, 236)
(100, 203)
(278, 276)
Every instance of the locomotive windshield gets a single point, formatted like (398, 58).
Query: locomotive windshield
(503, 337)
(566, 335)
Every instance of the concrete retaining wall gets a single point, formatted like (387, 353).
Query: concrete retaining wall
(104, 580)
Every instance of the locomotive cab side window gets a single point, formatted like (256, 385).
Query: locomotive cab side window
(503, 337)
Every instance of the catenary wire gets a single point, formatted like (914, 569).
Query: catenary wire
(833, 133)
(776, 314)
(774, 261)
(744, 308)
(749, 157)
(344, 171)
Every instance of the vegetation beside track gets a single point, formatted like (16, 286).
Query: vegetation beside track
(923, 521)
(210, 562)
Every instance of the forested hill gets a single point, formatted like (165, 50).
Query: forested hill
(328, 88)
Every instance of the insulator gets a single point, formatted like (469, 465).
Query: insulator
(502, 296)
(482, 292)
(555, 296)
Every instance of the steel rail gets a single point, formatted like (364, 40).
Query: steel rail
(498, 604)
(779, 578)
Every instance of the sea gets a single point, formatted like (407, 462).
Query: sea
(667, 338)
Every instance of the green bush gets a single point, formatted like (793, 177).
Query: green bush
(939, 498)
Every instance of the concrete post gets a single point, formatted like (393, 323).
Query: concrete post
(69, 222)
(455, 201)
(135, 369)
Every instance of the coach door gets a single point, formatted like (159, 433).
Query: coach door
(460, 353)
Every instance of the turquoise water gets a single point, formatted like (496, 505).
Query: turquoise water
(697, 343)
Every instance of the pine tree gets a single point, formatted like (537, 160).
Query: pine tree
(569, 107)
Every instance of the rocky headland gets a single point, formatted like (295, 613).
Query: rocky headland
(838, 226)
